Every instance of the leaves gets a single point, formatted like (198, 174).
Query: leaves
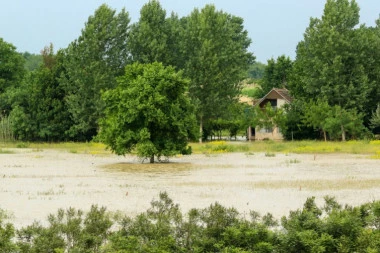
(148, 111)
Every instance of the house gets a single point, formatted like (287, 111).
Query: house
(277, 98)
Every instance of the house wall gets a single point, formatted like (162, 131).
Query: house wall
(280, 103)
(261, 134)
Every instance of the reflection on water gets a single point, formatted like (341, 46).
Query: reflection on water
(149, 167)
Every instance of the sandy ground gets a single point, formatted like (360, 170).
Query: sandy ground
(34, 184)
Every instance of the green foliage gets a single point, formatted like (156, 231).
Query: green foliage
(216, 60)
(256, 70)
(218, 126)
(11, 74)
(254, 92)
(164, 228)
(295, 127)
(148, 112)
(337, 61)
(41, 114)
(6, 131)
(7, 233)
(276, 74)
(68, 231)
(375, 120)
(32, 61)
(269, 117)
(154, 38)
(335, 120)
(92, 62)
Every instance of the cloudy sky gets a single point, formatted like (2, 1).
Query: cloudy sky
(275, 26)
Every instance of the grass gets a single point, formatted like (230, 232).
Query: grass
(270, 154)
(319, 184)
(300, 147)
(51, 192)
(93, 148)
(293, 161)
(371, 148)
(6, 151)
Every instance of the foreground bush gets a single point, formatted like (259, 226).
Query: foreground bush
(164, 228)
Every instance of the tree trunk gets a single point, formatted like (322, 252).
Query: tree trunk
(343, 133)
(324, 135)
(151, 159)
(200, 130)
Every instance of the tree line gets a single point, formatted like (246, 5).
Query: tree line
(164, 228)
(334, 80)
(62, 98)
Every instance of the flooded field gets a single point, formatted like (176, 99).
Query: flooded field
(35, 183)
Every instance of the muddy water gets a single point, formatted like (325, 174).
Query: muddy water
(35, 184)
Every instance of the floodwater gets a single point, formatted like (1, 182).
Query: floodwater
(35, 184)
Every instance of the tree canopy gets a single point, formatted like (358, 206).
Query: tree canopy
(148, 112)
(329, 62)
(11, 74)
(57, 96)
(92, 62)
(276, 74)
(217, 54)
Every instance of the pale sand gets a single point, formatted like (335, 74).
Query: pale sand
(35, 184)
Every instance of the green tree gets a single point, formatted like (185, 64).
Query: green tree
(368, 46)
(375, 119)
(315, 115)
(41, 114)
(333, 120)
(148, 112)
(7, 233)
(91, 64)
(256, 70)
(276, 74)
(68, 231)
(341, 122)
(328, 64)
(32, 61)
(157, 38)
(12, 72)
(215, 46)
(149, 36)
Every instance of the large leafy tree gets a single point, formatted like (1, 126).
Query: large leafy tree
(91, 63)
(375, 119)
(328, 64)
(155, 37)
(148, 112)
(215, 46)
(32, 61)
(12, 73)
(368, 41)
(41, 113)
(149, 38)
(256, 70)
(276, 74)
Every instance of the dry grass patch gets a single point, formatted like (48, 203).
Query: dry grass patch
(157, 168)
(319, 184)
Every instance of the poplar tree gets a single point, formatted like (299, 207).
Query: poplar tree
(92, 62)
(215, 46)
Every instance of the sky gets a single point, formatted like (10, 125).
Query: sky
(274, 26)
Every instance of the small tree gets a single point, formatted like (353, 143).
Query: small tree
(148, 112)
(375, 120)
(315, 116)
